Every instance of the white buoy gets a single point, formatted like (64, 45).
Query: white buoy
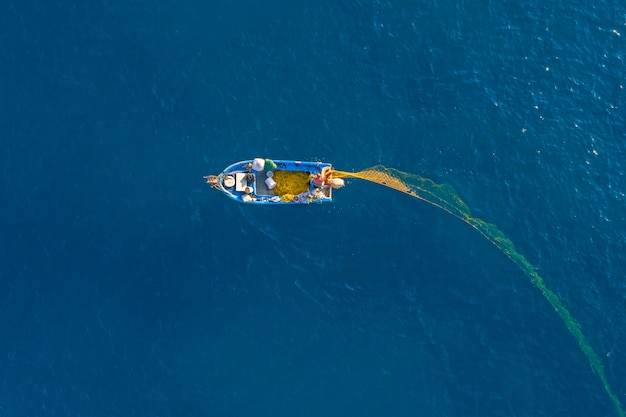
(337, 182)
(258, 164)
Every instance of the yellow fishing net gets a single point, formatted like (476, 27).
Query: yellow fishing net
(441, 195)
(291, 182)
(446, 198)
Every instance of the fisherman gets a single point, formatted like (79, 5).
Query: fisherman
(319, 179)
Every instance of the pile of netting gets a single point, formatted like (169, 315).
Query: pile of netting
(291, 182)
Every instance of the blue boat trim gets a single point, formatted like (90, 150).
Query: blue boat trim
(242, 183)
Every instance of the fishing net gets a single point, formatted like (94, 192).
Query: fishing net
(445, 197)
(291, 182)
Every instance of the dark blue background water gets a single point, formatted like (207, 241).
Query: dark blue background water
(129, 288)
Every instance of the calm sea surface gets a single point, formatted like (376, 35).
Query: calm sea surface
(129, 288)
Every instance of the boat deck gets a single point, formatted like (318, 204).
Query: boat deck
(260, 186)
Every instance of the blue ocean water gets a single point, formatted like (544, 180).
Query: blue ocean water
(129, 288)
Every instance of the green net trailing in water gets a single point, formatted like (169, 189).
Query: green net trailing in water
(446, 198)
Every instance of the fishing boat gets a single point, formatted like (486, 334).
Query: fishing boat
(267, 181)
